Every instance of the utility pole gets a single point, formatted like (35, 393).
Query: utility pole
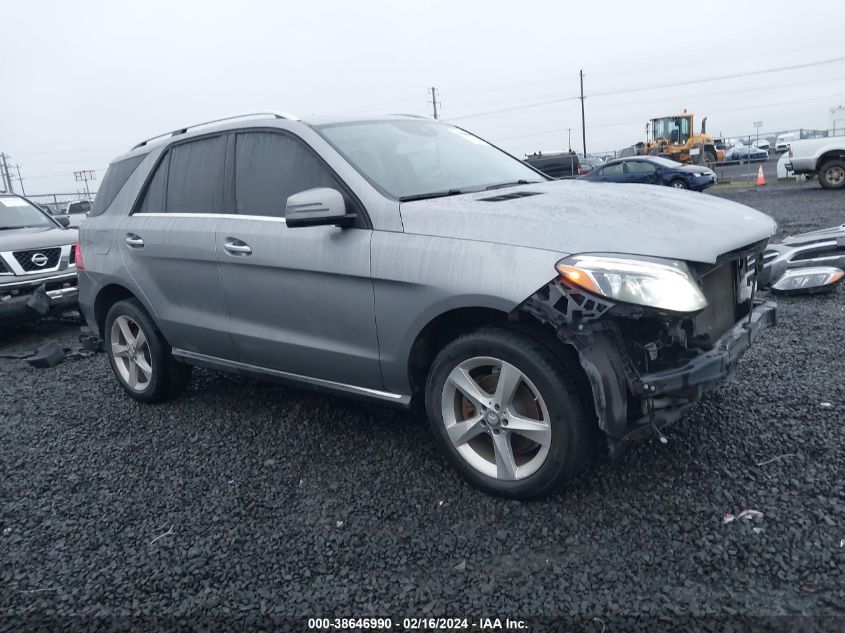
(84, 176)
(20, 180)
(7, 181)
(583, 128)
(569, 135)
(433, 101)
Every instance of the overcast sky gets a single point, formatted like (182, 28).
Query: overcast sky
(80, 82)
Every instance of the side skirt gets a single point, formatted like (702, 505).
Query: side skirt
(296, 380)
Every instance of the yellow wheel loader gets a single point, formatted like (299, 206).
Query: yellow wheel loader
(674, 137)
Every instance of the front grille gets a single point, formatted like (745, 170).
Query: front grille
(3, 268)
(50, 254)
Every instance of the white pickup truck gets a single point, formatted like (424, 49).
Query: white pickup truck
(824, 157)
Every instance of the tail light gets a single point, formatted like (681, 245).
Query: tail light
(77, 256)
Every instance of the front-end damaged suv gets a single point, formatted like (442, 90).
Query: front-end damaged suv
(408, 261)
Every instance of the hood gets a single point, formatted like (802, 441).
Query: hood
(692, 169)
(578, 216)
(35, 237)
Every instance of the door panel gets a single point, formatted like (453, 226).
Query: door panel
(176, 269)
(301, 300)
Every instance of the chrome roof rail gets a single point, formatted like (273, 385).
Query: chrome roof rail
(183, 130)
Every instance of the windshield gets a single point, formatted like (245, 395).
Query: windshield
(17, 213)
(413, 159)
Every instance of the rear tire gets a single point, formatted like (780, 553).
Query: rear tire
(832, 174)
(140, 356)
(521, 441)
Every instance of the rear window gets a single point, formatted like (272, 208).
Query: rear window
(116, 176)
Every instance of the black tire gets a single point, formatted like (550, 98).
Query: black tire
(168, 376)
(709, 159)
(573, 432)
(679, 183)
(832, 174)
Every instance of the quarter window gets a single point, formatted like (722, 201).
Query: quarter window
(270, 167)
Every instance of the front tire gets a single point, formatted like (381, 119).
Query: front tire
(678, 183)
(832, 174)
(507, 414)
(140, 356)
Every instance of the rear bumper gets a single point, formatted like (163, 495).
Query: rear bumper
(55, 293)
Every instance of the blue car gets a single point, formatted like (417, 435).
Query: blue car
(654, 170)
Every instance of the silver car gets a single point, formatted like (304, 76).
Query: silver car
(408, 261)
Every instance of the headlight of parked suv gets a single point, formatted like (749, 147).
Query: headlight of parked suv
(666, 286)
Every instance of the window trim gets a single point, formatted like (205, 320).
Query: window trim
(360, 210)
(142, 193)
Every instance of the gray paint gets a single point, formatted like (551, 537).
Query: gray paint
(345, 305)
(573, 216)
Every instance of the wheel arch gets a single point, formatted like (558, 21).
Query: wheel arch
(106, 298)
(834, 154)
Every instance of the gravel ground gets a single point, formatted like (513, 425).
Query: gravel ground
(243, 498)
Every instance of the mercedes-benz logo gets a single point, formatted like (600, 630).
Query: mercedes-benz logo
(39, 259)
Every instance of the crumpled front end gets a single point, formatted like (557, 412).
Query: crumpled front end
(644, 366)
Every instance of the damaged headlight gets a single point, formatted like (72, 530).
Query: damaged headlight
(665, 286)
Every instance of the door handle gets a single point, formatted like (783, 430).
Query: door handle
(134, 241)
(236, 246)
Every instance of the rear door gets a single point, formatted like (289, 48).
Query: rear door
(301, 299)
(168, 246)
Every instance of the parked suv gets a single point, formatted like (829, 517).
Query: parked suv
(37, 272)
(409, 261)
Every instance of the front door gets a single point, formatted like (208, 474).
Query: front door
(300, 299)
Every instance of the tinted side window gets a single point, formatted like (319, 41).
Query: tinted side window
(270, 167)
(154, 195)
(195, 176)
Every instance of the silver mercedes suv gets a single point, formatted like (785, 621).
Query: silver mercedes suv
(407, 260)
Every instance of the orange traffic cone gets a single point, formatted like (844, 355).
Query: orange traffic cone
(761, 178)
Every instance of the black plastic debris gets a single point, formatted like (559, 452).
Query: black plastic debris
(48, 355)
(39, 301)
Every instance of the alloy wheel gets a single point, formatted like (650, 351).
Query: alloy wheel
(496, 418)
(131, 352)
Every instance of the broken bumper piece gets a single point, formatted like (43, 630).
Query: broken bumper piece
(712, 366)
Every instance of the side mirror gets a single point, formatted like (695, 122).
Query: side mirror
(317, 207)
(63, 220)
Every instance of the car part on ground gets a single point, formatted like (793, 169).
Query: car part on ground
(37, 270)
(824, 248)
(434, 285)
(809, 280)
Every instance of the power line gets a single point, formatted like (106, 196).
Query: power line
(655, 87)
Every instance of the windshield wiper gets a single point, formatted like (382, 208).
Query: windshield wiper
(513, 184)
(436, 194)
